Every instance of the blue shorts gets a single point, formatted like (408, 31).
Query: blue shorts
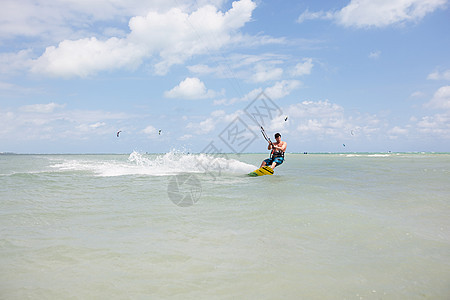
(278, 160)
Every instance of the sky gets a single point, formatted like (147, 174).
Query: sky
(204, 75)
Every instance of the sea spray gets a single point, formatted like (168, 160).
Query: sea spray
(171, 163)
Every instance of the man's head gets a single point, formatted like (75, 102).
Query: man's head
(277, 136)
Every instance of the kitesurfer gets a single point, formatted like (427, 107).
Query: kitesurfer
(277, 155)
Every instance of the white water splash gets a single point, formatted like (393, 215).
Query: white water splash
(173, 162)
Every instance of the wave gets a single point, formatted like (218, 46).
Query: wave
(171, 163)
(368, 155)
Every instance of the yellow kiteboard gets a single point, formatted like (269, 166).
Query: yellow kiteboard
(262, 171)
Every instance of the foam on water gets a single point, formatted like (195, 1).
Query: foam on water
(367, 155)
(173, 162)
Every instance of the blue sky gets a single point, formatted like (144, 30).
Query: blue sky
(373, 75)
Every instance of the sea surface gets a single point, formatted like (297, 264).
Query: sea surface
(193, 226)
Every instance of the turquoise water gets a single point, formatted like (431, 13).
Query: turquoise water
(326, 226)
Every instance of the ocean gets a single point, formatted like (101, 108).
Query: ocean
(193, 226)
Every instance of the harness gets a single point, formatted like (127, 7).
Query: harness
(276, 153)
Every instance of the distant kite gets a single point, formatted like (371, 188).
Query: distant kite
(285, 119)
(159, 132)
(118, 132)
(343, 145)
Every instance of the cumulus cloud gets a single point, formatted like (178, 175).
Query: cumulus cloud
(252, 68)
(282, 88)
(212, 121)
(438, 124)
(170, 37)
(441, 99)
(397, 131)
(88, 56)
(150, 131)
(303, 68)
(324, 118)
(266, 73)
(203, 127)
(51, 20)
(51, 122)
(445, 75)
(377, 13)
(321, 117)
(191, 88)
(277, 91)
(248, 97)
(11, 63)
(369, 13)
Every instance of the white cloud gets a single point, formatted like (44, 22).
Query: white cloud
(397, 131)
(11, 63)
(321, 15)
(90, 127)
(252, 68)
(377, 13)
(7, 86)
(445, 75)
(438, 124)
(88, 56)
(41, 108)
(303, 68)
(185, 137)
(212, 121)
(150, 130)
(325, 119)
(203, 127)
(315, 110)
(97, 125)
(202, 69)
(265, 72)
(248, 97)
(191, 88)
(52, 20)
(441, 99)
(418, 94)
(173, 36)
(52, 122)
(282, 88)
(279, 90)
(278, 124)
(381, 13)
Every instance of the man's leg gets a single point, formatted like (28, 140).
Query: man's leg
(266, 162)
(277, 161)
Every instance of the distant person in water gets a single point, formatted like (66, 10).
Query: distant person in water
(277, 155)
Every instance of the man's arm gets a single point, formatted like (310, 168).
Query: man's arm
(282, 148)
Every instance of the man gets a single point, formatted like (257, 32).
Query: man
(277, 155)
